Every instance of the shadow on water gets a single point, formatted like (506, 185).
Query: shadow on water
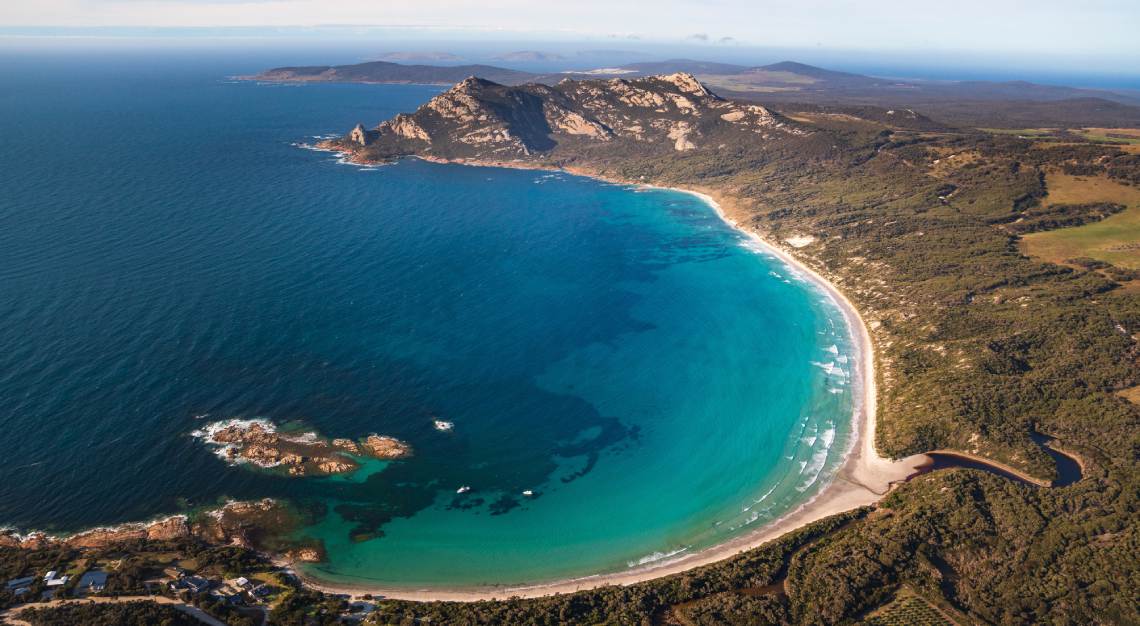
(1068, 467)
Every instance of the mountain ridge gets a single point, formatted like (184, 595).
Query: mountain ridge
(478, 118)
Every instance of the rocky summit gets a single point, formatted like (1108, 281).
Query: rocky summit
(480, 119)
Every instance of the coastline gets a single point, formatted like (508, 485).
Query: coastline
(863, 478)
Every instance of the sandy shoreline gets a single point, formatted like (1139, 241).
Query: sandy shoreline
(862, 479)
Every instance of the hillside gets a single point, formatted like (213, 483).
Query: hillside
(979, 347)
(481, 119)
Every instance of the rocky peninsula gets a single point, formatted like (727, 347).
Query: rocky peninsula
(229, 524)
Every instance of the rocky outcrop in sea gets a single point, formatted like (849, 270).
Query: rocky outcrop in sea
(259, 442)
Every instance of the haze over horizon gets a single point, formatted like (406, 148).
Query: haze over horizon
(1045, 37)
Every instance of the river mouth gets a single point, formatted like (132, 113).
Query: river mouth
(628, 379)
(1068, 466)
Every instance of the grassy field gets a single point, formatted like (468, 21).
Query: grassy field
(1132, 394)
(1029, 133)
(1127, 139)
(908, 609)
(759, 81)
(1115, 240)
(1111, 135)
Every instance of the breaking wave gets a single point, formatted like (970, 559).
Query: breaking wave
(655, 557)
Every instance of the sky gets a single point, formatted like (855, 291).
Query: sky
(1025, 26)
(899, 38)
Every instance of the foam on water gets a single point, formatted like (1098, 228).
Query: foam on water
(656, 557)
(222, 450)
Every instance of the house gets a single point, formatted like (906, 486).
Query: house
(52, 579)
(361, 606)
(174, 572)
(93, 581)
(263, 591)
(20, 586)
(16, 583)
(358, 611)
(228, 596)
(241, 582)
(193, 584)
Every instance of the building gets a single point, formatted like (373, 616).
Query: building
(228, 596)
(263, 591)
(193, 584)
(16, 583)
(53, 579)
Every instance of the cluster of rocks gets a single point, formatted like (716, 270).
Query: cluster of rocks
(306, 454)
(383, 447)
(233, 523)
(171, 527)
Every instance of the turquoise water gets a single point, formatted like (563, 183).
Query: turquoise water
(173, 252)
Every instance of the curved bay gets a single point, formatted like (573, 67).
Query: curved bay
(622, 353)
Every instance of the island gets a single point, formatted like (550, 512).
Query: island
(299, 453)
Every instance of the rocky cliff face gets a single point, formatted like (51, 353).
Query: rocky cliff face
(480, 119)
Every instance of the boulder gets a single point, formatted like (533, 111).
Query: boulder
(384, 447)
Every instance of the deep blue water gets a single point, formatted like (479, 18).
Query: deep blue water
(167, 250)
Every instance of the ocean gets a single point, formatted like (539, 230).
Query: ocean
(171, 255)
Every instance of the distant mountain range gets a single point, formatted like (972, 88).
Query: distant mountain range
(387, 72)
(529, 56)
(420, 57)
(967, 103)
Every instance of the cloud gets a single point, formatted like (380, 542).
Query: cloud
(699, 36)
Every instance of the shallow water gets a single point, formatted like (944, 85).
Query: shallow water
(176, 258)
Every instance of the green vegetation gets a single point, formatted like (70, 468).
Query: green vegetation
(1114, 240)
(1034, 133)
(143, 568)
(908, 610)
(978, 345)
(1127, 136)
(141, 613)
(759, 80)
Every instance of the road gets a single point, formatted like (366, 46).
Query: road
(11, 616)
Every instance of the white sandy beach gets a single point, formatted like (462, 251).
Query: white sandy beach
(863, 479)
